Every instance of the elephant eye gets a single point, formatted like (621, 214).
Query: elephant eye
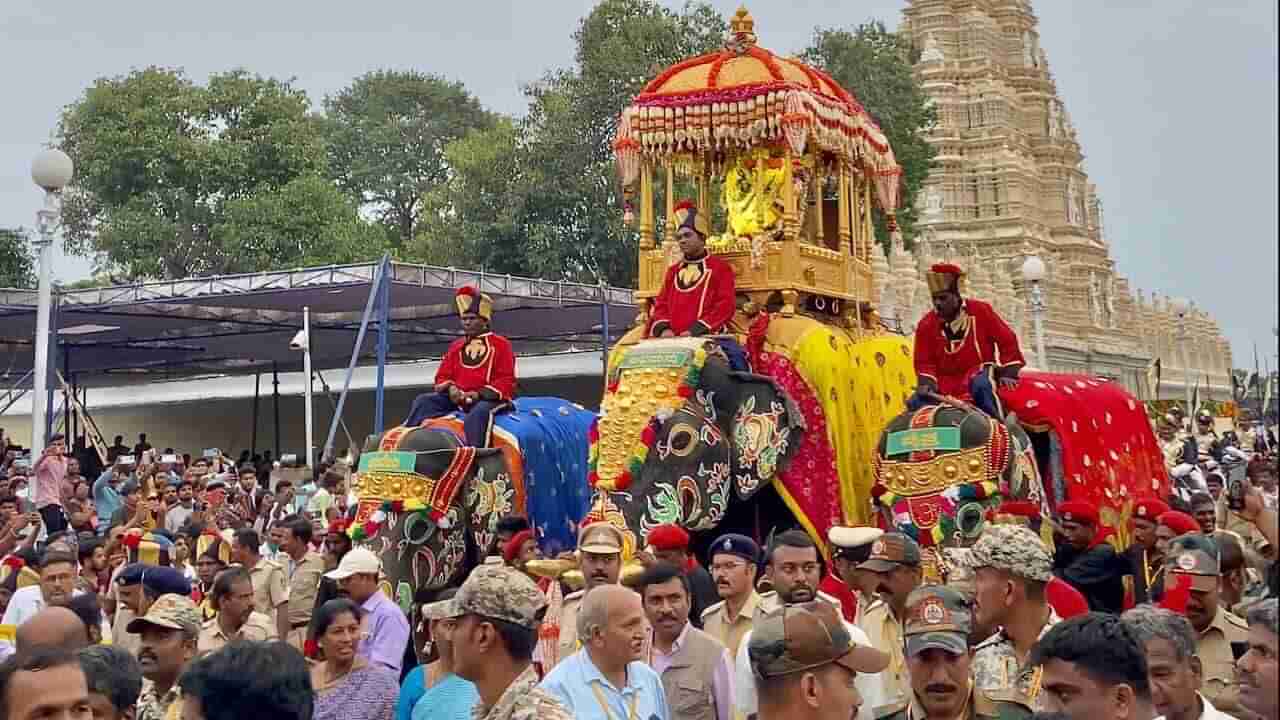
(682, 439)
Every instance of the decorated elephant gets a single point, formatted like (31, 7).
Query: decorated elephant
(942, 471)
(681, 437)
(430, 505)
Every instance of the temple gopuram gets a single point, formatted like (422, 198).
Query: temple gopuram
(1008, 183)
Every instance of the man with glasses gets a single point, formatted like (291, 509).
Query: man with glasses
(733, 567)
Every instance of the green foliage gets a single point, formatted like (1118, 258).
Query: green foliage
(162, 164)
(387, 136)
(546, 196)
(17, 264)
(875, 65)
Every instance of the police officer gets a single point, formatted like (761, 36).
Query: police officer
(936, 631)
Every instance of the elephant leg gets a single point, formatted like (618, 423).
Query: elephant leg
(477, 426)
(429, 405)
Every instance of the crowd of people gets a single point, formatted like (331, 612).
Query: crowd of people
(215, 590)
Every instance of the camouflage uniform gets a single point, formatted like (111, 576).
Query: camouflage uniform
(503, 593)
(938, 617)
(175, 612)
(996, 665)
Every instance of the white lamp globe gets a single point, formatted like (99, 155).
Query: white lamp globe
(1033, 269)
(52, 170)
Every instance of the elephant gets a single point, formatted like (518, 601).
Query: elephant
(707, 435)
(683, 439)
(429, 506)
(943, 470)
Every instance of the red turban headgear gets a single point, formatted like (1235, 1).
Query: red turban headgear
(1179, 522)
(1078, 511)
(668, 537)
(517, 541)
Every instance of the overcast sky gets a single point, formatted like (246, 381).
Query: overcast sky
(1174, 100)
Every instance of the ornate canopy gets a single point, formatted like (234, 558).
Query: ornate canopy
(745, 96)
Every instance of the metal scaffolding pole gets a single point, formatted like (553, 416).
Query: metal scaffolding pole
(355, 353)
(384, 318)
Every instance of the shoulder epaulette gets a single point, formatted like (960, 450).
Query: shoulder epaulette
(886, 711)
(711, 610)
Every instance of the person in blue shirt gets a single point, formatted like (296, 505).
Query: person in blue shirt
(106, 494)
(607, 679)
(433, 690)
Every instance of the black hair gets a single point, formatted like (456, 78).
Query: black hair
(856, 555)
(1199, 499)
(518, 639)
(89, 610)
(299, 528)
(53, 557)
(246, 469)
(248, 537)
(328, 612)
(112, 672)
(1230, 554)
(659, 574)
(227, 579)
(1102, 646)
(250, 680)
(56, 437)
(789, 538)
(85, 550)
(8, 498)
(512, 524)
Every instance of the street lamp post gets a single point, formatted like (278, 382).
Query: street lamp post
(1033, 273)
(302, 341)
(1180, 306)
(51, 170)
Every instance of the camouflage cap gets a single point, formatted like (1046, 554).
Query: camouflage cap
(496, 592)
(937, 617)
(1014, 549)
(1195, 556)
(175, 612)
(804, 636)
(959, 572)
(891, 551)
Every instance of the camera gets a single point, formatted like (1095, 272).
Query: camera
(299, 341)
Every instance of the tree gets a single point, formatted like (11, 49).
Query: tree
(546, 190)
(875, 65)
(163, 163)
(17, 264)
(387, 137)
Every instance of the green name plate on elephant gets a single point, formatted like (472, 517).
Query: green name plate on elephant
(907, 441)
(655, 358)
(401, 462)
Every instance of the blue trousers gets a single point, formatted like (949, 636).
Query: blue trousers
(477, 424)
(981, 389)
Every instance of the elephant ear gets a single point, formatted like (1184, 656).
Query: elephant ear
(490, 495)
(766, 428)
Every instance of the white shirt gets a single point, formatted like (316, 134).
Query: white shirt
(1209, 712)
(23, 606)
(744, 682)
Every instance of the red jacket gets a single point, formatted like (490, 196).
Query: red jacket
(836, 588)
(484, 364)
(987, 340)
(697, 297)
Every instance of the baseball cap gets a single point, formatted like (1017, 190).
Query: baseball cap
(176, 612)
(600, 538)
(891, 551)
(359, 561)
(497, 592)
(795, 638)
(937, 617)
(1195, 556)
(1014, 549)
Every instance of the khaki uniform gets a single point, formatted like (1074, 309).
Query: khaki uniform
(568, 642)
(729, 631)
(996, 667)
(270, 590)
(304, 581)
(982, 704)
(258, 628)
(884, 631)
(1214, 649)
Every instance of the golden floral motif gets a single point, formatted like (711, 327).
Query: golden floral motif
(908, 479)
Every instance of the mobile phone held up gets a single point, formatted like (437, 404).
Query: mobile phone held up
(1236, 479)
